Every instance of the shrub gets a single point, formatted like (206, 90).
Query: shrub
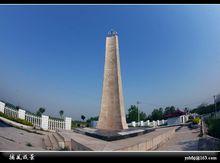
(196, 120)
(29, 145)
(76, 124)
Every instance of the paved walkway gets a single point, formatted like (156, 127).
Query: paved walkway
(185, 139)
(16, 139)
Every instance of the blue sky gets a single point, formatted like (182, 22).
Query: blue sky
(52, 56)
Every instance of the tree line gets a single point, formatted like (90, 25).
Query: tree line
(156, 114)
(206, 108)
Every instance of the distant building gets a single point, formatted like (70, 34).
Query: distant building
(93, 124)
(177, 113)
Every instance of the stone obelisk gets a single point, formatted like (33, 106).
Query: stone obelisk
(112, 114)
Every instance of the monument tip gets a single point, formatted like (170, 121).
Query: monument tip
(112, 32)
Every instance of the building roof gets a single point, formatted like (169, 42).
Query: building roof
(175, 114)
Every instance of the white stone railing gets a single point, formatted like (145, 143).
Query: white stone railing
(35, 120)
(11, 112)
(147, 123)
(43, 122)
(56, 124)
(171, 121)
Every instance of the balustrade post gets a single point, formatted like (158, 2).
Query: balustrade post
(44, 122)
(133, 123)
(148, 122)
(2, 107)
(68, 122)
(21, 113)
(158, 122)
(142, 123)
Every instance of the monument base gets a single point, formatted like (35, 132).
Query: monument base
(113, 135)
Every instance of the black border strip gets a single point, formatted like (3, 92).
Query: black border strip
(114, 156)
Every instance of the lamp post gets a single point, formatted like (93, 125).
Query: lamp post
(215, 104)
(138, 102)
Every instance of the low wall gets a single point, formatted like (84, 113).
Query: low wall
(78, 147)
(151, 144)
(149, 141)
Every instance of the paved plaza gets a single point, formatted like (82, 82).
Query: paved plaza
(184, 139)
(144, 142)
(16, 139)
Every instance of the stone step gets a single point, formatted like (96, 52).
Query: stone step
(62, 136)
(59, 140)
(79, 131)
(66, 139)
(47, 143)
(54, 142)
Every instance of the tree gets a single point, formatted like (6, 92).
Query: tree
(143, 116)
(161, 111)
(203, 105)
(133, 114)
(40, 111)
(92, 119)
(83, 117)
(61, 112)
(149, 118)
(186, 110)
(172, 109)
(169, 110)
(17, 107)
(204, 108)
(157, 114)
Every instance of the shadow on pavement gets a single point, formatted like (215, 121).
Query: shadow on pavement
(190, 145)
(3, 124)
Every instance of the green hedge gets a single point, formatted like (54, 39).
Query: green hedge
(76, 124)
(18, 120)
(213, 127)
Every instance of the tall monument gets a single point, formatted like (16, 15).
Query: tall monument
(112, 114)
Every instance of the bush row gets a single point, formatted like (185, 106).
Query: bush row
(18, 120)
(213, 127)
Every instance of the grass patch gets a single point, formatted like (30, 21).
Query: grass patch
(29, 145)
(76, 124)
(18, 120)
